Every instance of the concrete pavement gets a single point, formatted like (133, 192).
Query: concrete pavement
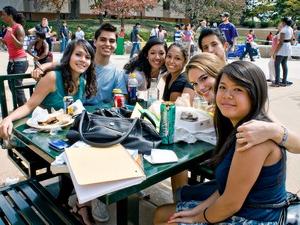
(284, 104)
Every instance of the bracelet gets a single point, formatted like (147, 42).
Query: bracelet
(284, 137)
(204, 215)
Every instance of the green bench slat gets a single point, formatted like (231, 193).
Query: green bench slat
(27, 212)
(42, 200)
(10, 213)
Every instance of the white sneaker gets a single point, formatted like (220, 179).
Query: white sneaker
(99, 211)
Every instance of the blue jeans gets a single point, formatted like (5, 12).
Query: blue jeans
(248, 50)
(63, 44)
(283, 61)
(16, 68)
(136, 46)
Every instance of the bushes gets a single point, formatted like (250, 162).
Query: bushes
(264, 24)
(249, 23)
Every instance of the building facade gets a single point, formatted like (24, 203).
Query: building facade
(33, 11)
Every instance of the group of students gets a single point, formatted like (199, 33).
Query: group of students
(249, 158)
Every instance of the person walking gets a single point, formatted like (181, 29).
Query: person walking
(282, 51)
(13, 39)
(249, 43)
(178, 34)
(229, 31)
(135, 39)
(64, 35)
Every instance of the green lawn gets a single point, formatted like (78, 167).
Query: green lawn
(89, 26)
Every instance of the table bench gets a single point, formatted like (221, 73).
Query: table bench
(28, 202)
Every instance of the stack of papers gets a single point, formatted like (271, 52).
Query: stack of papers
(99, 171)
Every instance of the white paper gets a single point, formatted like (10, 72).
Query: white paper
(159, 156)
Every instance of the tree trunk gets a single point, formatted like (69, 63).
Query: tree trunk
(75, 9)
(100, 17)
(122, 21)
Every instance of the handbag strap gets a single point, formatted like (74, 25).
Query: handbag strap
(107, 144)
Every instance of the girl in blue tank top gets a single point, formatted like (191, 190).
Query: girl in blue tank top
(78, 59)
(242, 178)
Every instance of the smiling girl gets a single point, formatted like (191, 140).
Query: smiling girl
(243, 178)
(149, 64)
(176, 80)
(202, 71)
(68, 79)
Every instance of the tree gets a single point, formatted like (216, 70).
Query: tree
(51, 4)
(208, 9)
(121, 8)
(292, 9)
(75, 9)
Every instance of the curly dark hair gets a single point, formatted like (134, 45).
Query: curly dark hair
(90, 76)
(11, 11)
(141, 62)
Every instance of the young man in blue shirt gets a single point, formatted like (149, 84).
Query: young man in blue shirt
(229, 31)
(108, 76)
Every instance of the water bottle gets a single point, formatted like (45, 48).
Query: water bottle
(200, 103)
(132, 89)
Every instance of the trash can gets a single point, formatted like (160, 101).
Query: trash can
(120, 46)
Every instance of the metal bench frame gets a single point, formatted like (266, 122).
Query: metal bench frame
(24, 159)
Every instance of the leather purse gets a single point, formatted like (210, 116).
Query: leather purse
(104, 131)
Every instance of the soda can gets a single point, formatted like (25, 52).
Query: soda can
(68, 100)
(167, 122)
(119, 98)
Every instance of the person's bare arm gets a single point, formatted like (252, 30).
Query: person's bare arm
(255, 132)
(28, 50)
(280, 43)
(45, 52)
(40, 71)
(43, 88)
(244, 171)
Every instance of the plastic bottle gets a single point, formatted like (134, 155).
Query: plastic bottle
(199, 102)
(132, 89)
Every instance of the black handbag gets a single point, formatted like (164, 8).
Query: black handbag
(104, 131)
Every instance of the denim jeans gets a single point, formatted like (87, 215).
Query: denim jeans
(279, 59)
(63, 44)
(16, 68)
(248, 50)
(234, 220)
(136, 46)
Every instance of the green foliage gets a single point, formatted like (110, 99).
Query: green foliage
(249, 23)
(264, 24)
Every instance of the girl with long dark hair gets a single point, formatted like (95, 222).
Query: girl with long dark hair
(13, 39)
(75, 77)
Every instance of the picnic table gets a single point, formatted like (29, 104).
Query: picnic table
(188, 155)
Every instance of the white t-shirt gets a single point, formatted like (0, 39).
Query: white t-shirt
(286, 47)
(79, 35)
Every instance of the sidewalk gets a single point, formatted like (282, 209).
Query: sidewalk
(284, 104)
